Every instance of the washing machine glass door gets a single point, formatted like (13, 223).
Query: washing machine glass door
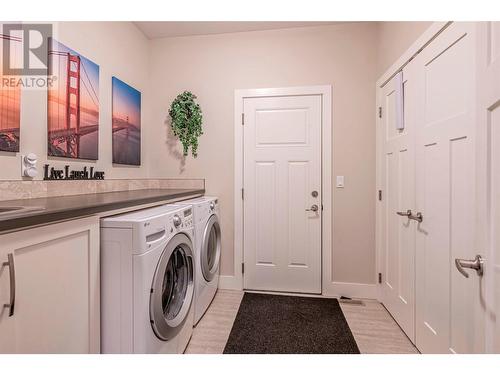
(172, 289)
(210, 248)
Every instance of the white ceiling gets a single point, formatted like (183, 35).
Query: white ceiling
(170, 29)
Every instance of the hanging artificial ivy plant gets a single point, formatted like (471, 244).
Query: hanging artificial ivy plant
(186, 121)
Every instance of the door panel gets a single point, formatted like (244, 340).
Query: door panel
(445, 191)
(398, 186)
(282, 167)
(488, 167)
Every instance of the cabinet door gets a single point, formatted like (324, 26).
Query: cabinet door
(56, 289)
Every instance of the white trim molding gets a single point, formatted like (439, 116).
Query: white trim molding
(352, 290)
(325, 91)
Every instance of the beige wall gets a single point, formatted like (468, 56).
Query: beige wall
(214, 66)
(394, 39)
(119, 49)
(350, 57)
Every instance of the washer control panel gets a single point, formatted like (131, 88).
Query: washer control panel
(181, 219)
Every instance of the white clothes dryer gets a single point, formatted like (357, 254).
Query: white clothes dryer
(147, 281)
(207, 251)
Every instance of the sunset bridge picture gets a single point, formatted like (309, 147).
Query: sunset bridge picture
(10, 100)
(126, 124)
(73, 104)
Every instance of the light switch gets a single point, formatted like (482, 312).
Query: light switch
(340, 181)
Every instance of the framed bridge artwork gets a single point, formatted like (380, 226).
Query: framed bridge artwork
(126, 124)
(10, 99)
(73, 104)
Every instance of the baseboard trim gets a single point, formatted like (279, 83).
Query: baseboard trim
(334, 289)
(230, 282)
(352, 290)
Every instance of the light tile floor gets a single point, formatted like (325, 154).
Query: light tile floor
(374, 330)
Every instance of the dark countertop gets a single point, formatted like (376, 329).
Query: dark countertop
(73, 206)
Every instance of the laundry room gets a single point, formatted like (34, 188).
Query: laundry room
(186, 184)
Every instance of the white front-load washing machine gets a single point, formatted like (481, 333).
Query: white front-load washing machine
(207, 251)
(147, 281)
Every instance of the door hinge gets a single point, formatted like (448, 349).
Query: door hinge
(379, 112)
(242, 193)
(242, 119)
(380, 278)
(242, 267)
(380, 195)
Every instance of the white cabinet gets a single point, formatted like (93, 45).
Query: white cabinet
(56, 284)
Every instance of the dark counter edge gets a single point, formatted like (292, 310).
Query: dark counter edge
(37, 218)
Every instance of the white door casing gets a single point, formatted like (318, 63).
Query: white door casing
(445, 300)
(398, 186)
(488, 177)
(282, 169)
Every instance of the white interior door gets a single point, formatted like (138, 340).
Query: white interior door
(488, 172)
(398, 188)
(445, 181)
(282, 193)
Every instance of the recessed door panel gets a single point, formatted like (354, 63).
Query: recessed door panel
(298, 225)
(281, 126)
(265, 212)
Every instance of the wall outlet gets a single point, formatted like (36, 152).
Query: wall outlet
(28, 165)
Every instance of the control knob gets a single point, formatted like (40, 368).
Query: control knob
(177, 220)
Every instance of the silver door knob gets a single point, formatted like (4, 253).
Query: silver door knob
(475, 264)
(313, 208)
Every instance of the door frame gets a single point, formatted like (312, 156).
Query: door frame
(326, 93)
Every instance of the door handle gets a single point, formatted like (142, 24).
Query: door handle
(12, 274)
(406, 214)
(475, 264)
(418, 217)
(314, 208)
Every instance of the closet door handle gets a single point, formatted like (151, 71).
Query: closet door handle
(12, 274)
(475, 264)
(418, 217)
(406, 214)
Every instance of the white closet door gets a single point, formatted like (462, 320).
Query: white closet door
(398, 187)
(488, 172)
(445, 181)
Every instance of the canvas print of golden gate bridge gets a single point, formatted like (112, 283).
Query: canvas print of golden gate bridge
(126, 124)
(10, 100)
(73, 104)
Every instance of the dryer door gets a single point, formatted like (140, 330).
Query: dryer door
(210, 248)
(172, 289)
